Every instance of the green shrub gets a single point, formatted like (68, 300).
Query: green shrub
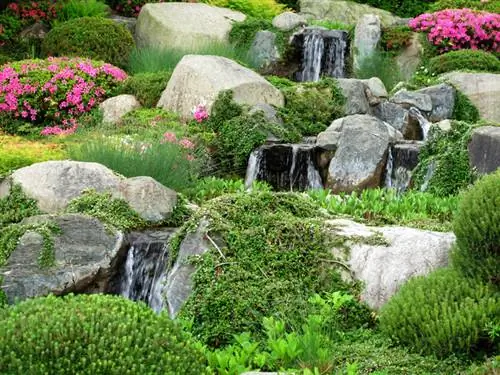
(96, 38)
(464, 60)
(488, 6)
(477, 227)
(395, 38)
(243, 33)
(443, 168)
(72, 9)
(402, 8)
(146, 87)
(442, 314)
(292, 4)
(311, 107)
(253, 8)
(92, 334)
(464, 109)
(381, 65)
(275, 256)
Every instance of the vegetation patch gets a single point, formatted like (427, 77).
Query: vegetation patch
(443, 168)
(276, 255)
(51, 335)
(464, 60)
(395, 38)
(146, 87)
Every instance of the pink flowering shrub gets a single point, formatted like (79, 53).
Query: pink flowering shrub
(200, 113)
(454, 29)
(56, 91)
(130, 8)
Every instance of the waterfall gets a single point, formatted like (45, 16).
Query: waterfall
(253, 168)
(402, 159)
(313, 54)
(425, 125)
(284, 167)
(144, 271)
(428, 175)
(323, 53)
(389, 169)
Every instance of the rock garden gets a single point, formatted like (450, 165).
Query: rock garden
(250, 186)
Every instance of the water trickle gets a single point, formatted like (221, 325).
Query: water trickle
(285, 167)
(425, 125)
(389, 169)
(324, 52)
(401, 161)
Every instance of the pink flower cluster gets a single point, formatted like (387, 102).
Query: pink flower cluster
(200, 113)
(55, 91)
(453, 29)
(185, 143)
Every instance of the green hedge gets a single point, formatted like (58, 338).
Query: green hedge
(464, 60)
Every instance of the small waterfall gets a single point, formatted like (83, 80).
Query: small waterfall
(428, 175)
(324, 52)
(285, 167)
(402, 158)
(425, 125)
(313, 54)
(145, 268)
(253, 168)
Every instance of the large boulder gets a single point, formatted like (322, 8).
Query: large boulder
(383, 268)
(408, 99)
(85, 256)
(354, 92)
(366, 38)
(361, 154)
(394, 114)
(484, 149)
(483, 90)
(344, 11)
(287, 21)
(53, 184)
(264, 49)
(410, 57)
(443, 101)
(183, 25)
(199, 79)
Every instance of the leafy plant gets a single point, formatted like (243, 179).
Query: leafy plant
(243, 33)
(129, 8)
(382, 65)
(443, 168)
(253, 8)
(72, 9)
(146, 87)
(395, 38)
(442, 314)
(212, 187)
(477, 227)
(464, 109)
(464, 60)
(402, 8)
(489, 6)
(16, 206)
(92, 334)
(92, 37)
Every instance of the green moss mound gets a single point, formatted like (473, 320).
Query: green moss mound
(92, 334)
(275, 256)
(93, 37)
(477, 227)
(442, 314)
(146, 87)
(464, 60)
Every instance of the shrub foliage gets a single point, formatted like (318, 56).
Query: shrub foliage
(441, 314)
(146, 87)
(92, 334)
(464, 60)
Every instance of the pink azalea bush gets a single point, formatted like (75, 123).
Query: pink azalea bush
(186, 145)
(454, 29)
(56, 91)
(200, 113)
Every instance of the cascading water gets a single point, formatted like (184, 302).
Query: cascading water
(284, 167)
(425, 125)
(324, 52)
(401, 160)
(145, 268)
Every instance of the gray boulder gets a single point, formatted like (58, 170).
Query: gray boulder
(393, 114)
(366, 37)
(443, 101)
(375, 91)
(410, 57)
(416, 99)
(53, 184)
(263, 49)
(360, 157)
(483, 90)
(113, 109)
(287, 21)
(85, 255)
(484, 149)
(199, 79)
(347, 12)
(329, 139)
(354, 92)
(183, 25)
(383, 269)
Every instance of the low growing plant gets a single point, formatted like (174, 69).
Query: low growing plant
(484, 5)
(395, 38)
(212, 187)
(72, 9)
(51, 335)
(146, 87)
(464, 60)
(253, 8)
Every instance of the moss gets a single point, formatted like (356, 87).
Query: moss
(276, 255)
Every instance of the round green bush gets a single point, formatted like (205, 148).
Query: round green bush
(442, 314)
(488, 6)
(92, 334)
(93, 37)
(146, 87)
(401, 8)
(464, 59)
(477, 227)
